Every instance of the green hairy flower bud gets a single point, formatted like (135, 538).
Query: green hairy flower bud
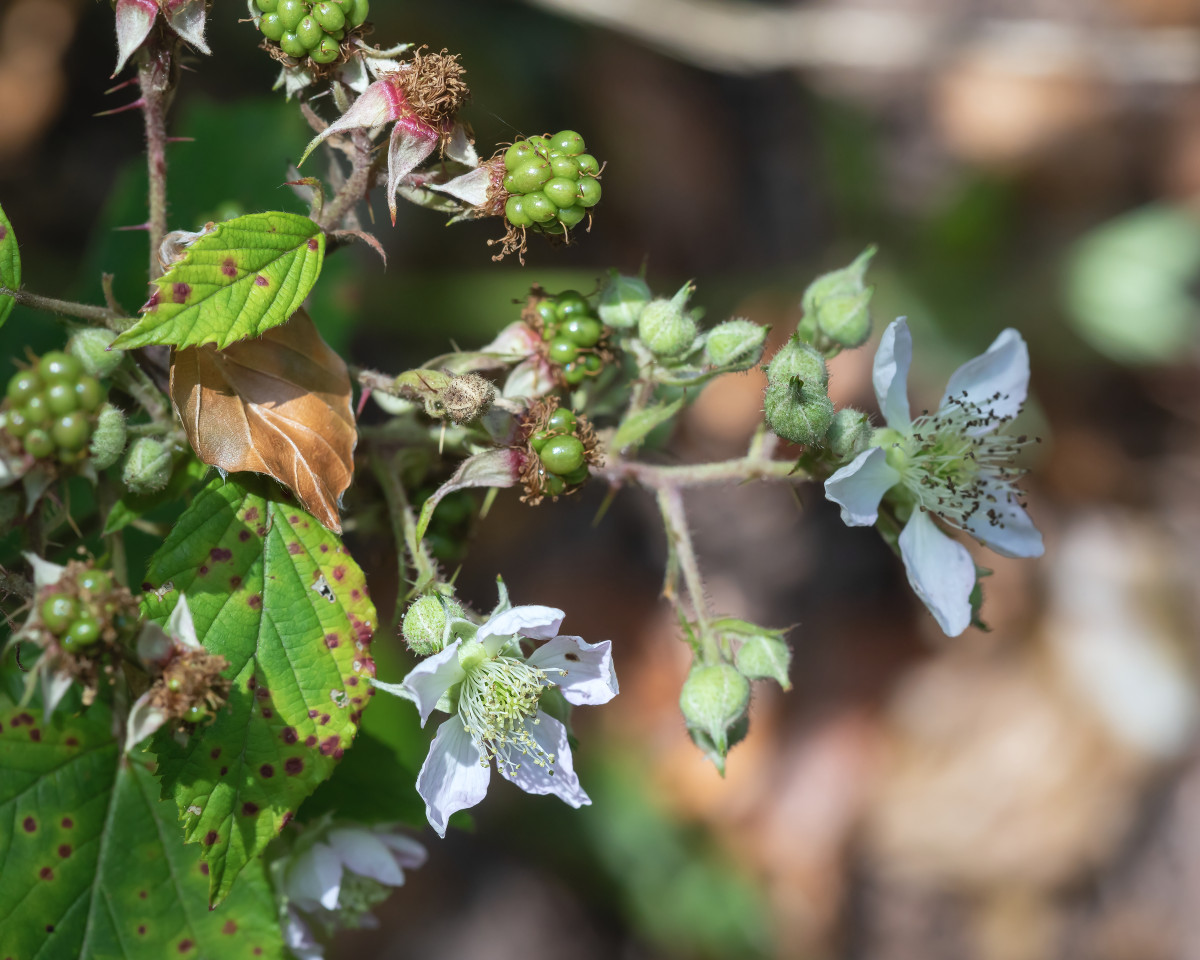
(713, 699)
(108, 437)
(147, 466)
(622, 301)
(836, 305)
(425, 623)
(849, 434)
(798, 413)
(797, 360)
(90, 348)
(735, 341)
(764, 657)
(666, 328)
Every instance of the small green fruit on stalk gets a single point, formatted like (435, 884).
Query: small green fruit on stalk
(714, 699)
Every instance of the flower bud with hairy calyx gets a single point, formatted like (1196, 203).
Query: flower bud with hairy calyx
(665, 327)
(426, 623)
(796, 405)
(849, 434)
(837, 307)
(796, 359)
(108, 437)
(713, 699)
(147, 466)
(90, 348)
(735, 341)
(622, 301)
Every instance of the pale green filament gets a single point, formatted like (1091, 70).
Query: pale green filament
(498, 702)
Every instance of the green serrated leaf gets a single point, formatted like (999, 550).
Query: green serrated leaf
(93, 865)
(10, 265)
(249, 275)
(277, 595)
(636, 427)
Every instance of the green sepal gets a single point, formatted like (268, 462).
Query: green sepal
(248, 275)
(10, 264)
(638, 425)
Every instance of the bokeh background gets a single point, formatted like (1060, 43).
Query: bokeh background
(1026, 793)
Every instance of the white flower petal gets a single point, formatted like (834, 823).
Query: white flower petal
(537, 623)
(558, 778)
(431, 678)
(940, 571)
(890, 374)
(299, 938)
(408, 852)
(314, 878)
(451, 778)
(44, 572)
(589, 675)
(411, 142)
(859, 486)
(181, 626)
(143, 721)
(54, 687)
(996, 380)
(1005, 527)
(366, 854)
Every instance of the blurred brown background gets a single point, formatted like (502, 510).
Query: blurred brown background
(1024, 794)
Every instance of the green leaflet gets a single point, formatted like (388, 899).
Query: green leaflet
(277, 595)
(249, 275)
(93, 865)
(10, 265)
(637, 426)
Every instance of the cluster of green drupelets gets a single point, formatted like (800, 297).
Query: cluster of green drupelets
(51, 408)
(77, 621)
(573, 336)
(303, 28)
(552, 182)
(561, 452)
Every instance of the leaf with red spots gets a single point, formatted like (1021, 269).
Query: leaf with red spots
(276, 594)
(10, 265)
(93, 864)
(248, 275)
(279, 405)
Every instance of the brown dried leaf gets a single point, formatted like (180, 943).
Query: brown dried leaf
(279, 405)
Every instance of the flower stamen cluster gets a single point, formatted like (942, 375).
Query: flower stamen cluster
(498, 697)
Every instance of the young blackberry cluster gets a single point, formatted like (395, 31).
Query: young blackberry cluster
(574, 337)
(51, 408)
(313, 30)
(561, 447)
(552, 182)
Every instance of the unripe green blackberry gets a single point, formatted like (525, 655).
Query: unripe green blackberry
(90, 348)
(735, 341)
(796, 412)
(108, 438)
(665, 327)
(425, 623)
(147, 465)
(550, 187)
(50, 408)
(622, 301)
(713, 699)
(310, 29)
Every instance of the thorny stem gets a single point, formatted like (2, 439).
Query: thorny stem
(657, 477)
(404, 533)
(155, 81)
(133, 380)
(354, 190)
(67, 308)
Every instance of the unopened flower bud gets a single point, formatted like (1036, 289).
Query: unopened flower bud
(735, 341)
(836, 305)
(622, 301)
(798, 360)
(797, 412)
(108, 437)
(764, 657)
(425, 623)
(665, 327)
(713, 699)
(147, 466)
(849, 434)
(467, 397)
(90, 348)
